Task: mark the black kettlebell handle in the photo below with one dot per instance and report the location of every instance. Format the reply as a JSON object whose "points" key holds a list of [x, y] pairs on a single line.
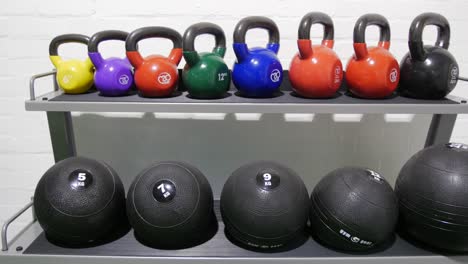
{"points": [[364, 21], [256, 22], [66, 38], [415, 42], [188, 40], [152, 32], [316, 18], [103, 36]]}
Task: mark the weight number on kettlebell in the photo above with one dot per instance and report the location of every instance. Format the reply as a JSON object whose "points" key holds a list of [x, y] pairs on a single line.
{"points": [[394, 75], [221, 76]]}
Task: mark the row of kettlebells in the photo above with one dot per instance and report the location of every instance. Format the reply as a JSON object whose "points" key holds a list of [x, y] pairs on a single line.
{"points": [[427, 72]]}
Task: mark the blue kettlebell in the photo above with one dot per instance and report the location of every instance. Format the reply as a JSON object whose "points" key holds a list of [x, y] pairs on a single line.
{"points": [[257, 71], [113, 76]]}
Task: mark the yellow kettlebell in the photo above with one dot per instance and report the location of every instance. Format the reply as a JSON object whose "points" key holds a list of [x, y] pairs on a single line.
{"points": [[74, 76]]}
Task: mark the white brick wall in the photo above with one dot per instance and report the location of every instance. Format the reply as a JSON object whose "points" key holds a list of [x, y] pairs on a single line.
{"points": [[26, 28]]}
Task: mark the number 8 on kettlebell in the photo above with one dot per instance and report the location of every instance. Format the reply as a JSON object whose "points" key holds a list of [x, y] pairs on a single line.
{"points": [[257, 71], [155, 75], [74, 76], [205, 75], [372, 72], [428, 72], [113, 76]]}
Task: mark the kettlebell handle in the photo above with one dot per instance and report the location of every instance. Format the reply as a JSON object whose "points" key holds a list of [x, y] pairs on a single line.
{"points": [[66, 38], [416, 45], [188, 40], [99, 37], [359, 35], [240, 47], [153, 32], [256, 22], [316, 18], [103, 36], [304, 42]]}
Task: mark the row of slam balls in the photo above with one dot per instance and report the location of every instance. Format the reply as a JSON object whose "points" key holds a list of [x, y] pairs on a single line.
{"points": [[264, 205], [427, 72]]}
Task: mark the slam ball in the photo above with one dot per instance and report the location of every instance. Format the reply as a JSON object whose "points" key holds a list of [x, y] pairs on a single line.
{"points": [[353, 209], [170, 205], [264, 206], [79, 201], [432, 190]]}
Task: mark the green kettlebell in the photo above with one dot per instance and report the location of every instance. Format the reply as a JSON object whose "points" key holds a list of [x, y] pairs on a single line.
{"points": [[205, 75]]}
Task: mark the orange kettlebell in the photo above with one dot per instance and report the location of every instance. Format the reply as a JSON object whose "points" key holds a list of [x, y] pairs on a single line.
{"points": [[372, 72], [316, 71], [155, 75]]}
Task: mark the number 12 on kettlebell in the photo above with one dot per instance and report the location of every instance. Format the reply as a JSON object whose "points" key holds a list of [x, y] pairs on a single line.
{"points": [[205, 75], [257, 71]]}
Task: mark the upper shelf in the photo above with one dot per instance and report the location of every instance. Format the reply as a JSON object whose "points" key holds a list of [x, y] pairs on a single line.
{"points": [[284, 102]]}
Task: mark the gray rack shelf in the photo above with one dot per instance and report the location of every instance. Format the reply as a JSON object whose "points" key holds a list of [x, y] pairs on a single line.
{"points": [[58, 106], [217, 250], [284, 102]]}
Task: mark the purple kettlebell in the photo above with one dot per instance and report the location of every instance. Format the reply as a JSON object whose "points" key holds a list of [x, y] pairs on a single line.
{"points": [[113, 76]]}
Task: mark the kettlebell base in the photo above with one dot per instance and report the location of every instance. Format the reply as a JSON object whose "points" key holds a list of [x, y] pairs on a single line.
{"points": [[423, 96], [259, 95], [208, 96], [159, 94], [316, 95], [114, 94]]}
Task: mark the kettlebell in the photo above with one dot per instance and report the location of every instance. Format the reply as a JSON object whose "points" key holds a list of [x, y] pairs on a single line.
{"points": [[316, 71], [155, 75], [205, 75], [372, 72], [113, 76], [428, 72], [74, 76], [257, 71]]}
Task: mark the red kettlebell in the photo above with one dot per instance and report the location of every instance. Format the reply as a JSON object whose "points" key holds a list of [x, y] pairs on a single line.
{"points": [[155, 75], [316, 71], [372, 72]]}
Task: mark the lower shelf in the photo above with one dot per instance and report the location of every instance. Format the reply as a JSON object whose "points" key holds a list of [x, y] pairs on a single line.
{"points": [[36, 249]]}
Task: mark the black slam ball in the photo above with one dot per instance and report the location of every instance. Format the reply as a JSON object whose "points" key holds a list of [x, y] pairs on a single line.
{"points": [[170, 206], [79, 201], [265, 206], [353, 209], [432, 191]]}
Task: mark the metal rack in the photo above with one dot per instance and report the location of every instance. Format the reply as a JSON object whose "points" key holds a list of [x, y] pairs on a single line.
{"points": [[30, 246]]}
